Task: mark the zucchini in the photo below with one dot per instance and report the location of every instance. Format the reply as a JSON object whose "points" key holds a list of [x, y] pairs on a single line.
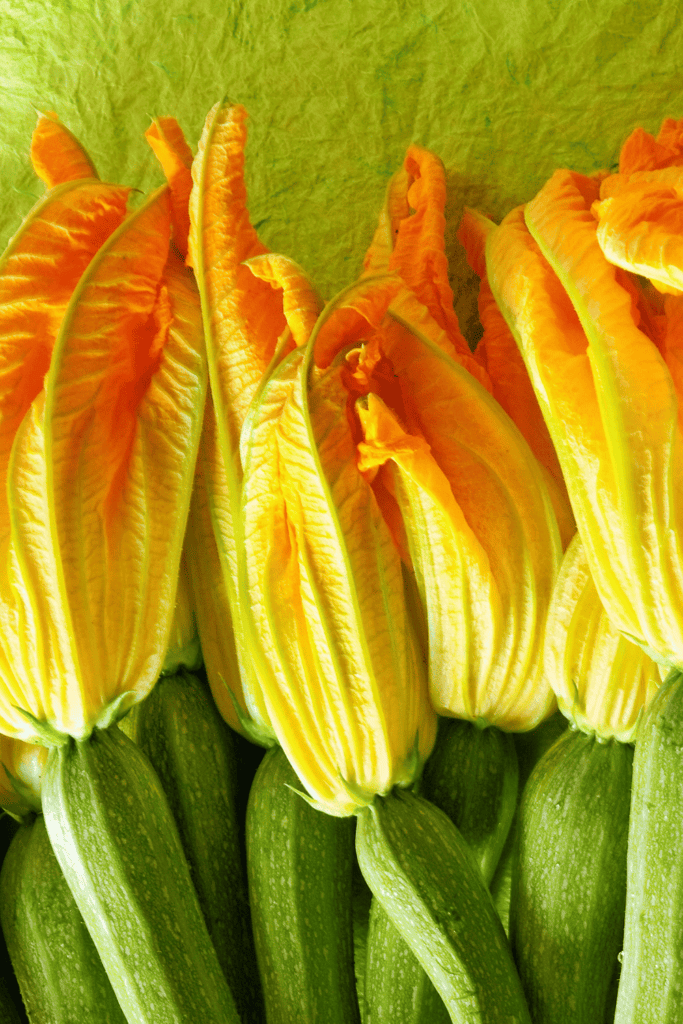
{"points": [[428, 881], [397, 989], [472, 777], [651, 983], [60, 974], [569, 887], [530, 747], [180, 730], [300, 869], [117, 844]]}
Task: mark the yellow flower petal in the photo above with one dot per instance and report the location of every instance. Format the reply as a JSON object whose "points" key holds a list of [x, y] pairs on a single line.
{"points": [[602, 681]]}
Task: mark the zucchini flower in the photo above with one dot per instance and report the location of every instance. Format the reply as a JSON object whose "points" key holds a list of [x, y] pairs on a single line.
{"points": [[602, 351], [102, 383], [341, 670], [602, 681], [256, 307], [480, 530]]}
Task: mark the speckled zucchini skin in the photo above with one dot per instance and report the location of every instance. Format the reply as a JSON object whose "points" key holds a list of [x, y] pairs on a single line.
{"points": [[117, 844], [429, 883], [300, 868], [651, 984], [397, 988], [60, 973], [569, 887], [180, 730], [472, 777]]}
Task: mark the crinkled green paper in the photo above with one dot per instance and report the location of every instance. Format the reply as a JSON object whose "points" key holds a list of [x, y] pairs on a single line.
{"points": [[503, 91]]}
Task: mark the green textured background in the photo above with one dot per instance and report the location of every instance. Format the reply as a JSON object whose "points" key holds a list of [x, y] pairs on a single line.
{"points": [[503, 92]]}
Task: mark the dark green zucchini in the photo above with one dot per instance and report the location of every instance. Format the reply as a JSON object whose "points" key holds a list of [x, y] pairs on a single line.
{"points": [[472, 777], [300, 869], [428, 881], [651, 983], [117, 844], [569, 886], [60, 973], [180, 730]]}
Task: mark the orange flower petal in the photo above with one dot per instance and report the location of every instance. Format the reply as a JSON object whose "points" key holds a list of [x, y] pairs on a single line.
{"points": [[166, 138], [353, 315], [396, 208], [510, 385], [641, 230], [124, 404], [243, 316], [301, 302], [38, 273], [57, 155]]}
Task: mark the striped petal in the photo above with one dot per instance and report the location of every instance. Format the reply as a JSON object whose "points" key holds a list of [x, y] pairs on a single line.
{"points": [[123, 404], [602, 681]]}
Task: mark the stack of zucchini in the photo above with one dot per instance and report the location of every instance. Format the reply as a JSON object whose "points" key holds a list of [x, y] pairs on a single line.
{"points": [[292, 591]]}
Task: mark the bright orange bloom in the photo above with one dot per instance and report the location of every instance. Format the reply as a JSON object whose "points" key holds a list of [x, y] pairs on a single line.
{"points": [[102, 384]]}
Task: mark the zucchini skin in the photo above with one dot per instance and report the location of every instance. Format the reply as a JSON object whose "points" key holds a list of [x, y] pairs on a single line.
{"points": [[651, 983], [472, 776], [569, 887], [300, 869], [180, 730], [117, 844], [60, 974], [397, 989], [429, 883]]}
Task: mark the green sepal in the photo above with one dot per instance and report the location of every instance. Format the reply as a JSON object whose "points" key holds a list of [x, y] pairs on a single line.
{"points": [[115, 709], [45, 734]]}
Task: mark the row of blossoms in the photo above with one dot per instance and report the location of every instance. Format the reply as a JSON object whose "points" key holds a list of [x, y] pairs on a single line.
{"points": [[375, 527]]}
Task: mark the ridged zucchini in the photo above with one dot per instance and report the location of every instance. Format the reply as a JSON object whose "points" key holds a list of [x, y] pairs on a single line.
{"points": [[117, 844], [300, 869], [60, 973], [428, 881], [180, 730], [651, 983], [569, 887]]}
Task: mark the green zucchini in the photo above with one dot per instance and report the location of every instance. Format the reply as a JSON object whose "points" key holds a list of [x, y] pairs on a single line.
{"points": [[569, 887], [397, 989], [180, 730], [300, 869], [472, 777], [117, 844], [530, 747], [651, 983], [60, 974], [428, 881]]}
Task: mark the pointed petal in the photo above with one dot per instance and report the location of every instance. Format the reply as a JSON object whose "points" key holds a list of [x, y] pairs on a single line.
{"points": [[243, 316], [57, 155], [166, 138]]}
